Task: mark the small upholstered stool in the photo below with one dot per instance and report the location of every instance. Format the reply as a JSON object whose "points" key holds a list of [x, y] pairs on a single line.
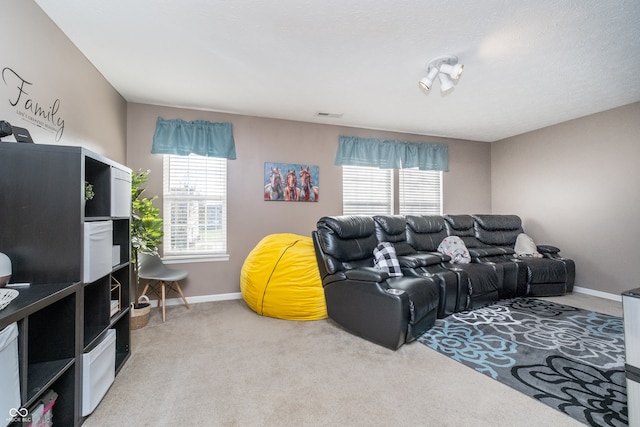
{"points": [[158, 277]]}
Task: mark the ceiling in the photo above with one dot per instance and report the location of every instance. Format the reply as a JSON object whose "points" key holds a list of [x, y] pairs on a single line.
{"points": [[528, 64]]}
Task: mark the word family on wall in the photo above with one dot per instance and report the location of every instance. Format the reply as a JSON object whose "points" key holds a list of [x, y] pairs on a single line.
{"points": [[45, 115]]}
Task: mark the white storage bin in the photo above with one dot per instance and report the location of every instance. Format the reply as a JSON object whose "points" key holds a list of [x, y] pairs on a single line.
{"points": [[98, 372], [98, 250], [9, 379], [120, 193]]}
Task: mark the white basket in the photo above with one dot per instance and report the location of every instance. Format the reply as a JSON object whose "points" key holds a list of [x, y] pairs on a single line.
{"points": [[6, 296]]}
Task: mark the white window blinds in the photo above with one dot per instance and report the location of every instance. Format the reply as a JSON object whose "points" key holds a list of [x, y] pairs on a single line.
{"points": [[195, 206], [420, 192], [367, 191]]}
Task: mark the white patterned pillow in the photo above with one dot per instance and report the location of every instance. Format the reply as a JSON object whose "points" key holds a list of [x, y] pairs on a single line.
{"points": [[385, 259], [454, 247]]}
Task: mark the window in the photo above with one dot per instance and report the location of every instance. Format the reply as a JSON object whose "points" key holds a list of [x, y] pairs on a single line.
{"points": [[367, 191], [370, 191], [195, 206], [419, 192]]}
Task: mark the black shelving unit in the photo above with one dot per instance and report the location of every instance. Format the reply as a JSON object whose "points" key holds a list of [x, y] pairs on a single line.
{"points": [[47, 350], [42, 192]]}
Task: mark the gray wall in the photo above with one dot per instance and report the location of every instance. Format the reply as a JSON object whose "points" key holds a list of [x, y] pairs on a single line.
{"points": [[466, 186], [66, 100], [577, 185]]}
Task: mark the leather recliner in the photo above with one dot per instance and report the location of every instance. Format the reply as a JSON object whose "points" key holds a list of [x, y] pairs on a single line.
{"points": [[453, 289], [364, 300], [548, 276], [478, 283], [511, 275]]}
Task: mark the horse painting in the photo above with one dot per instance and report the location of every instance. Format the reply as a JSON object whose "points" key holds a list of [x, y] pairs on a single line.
{"points": [[308, 192], [274, 189], [291, 191], [291, 182]]}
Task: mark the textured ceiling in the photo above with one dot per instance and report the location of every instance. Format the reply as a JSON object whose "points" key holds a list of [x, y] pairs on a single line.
{"points": [[528, 64]]}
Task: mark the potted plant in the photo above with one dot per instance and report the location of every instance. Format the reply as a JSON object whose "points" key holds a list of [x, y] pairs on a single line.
{"points": [[146, 224]]}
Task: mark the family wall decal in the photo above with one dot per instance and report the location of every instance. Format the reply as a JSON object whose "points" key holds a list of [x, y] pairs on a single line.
{"points": [[30, 109]]}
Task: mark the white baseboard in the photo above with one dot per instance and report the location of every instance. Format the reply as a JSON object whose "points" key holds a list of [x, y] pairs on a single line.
{"points": [[205, 298], [599, 294], [238, 295]]}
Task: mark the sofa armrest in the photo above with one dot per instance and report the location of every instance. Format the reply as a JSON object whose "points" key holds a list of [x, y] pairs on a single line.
{"points": [[370, 310], [366, 274], [551, 252], [419, 260], [444, 257], [435, 255], [409, 261], [548, 249], [330, 278]]}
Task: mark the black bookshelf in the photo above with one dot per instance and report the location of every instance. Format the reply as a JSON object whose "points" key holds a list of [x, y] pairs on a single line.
{"points": [[42, 192]]}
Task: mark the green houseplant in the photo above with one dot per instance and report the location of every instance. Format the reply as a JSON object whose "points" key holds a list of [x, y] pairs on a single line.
{"points": [[146, 224]]}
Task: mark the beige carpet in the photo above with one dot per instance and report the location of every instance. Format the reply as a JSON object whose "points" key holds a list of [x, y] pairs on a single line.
{"points": [[220, 364]]}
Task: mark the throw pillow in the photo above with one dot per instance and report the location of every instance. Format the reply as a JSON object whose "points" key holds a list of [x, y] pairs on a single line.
{"points": [[385, 259], [454, 247], [525, 247]]}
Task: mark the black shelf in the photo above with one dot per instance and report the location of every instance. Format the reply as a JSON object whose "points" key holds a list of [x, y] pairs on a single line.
{"points": [[42, 231], [121, 237], [98, 174], [33, 298], [97, 306], [42, 375], [96, 218], [122, 325]]}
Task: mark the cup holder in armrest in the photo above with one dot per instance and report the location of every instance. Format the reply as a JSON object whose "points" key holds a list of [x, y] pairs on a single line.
{"points": [[394, 291]]}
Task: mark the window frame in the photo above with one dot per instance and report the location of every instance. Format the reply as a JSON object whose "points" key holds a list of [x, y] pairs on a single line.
{"points": [[219, 178]]}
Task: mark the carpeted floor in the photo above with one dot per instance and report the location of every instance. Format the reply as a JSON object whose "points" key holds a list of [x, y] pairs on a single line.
{"points": [[569, 358], [220, 364]]}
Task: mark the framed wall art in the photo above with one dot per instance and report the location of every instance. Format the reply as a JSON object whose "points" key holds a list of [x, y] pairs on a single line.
{"points": [[291, 182]]}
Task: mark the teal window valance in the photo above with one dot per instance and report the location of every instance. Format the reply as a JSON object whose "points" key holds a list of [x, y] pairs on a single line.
{"points": [[200, 137], [392, 154]]}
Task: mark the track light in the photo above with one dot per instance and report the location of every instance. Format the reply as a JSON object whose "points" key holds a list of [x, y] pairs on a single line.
{"points": [[425, 83], [445, 82], [453, 71], [446, 68]]}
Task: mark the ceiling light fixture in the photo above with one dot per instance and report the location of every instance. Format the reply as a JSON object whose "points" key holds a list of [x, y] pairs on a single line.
{"points": [[426, 82], [445, 68], [445, 82]]}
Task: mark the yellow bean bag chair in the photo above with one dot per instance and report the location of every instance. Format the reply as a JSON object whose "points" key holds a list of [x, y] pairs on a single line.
{"points": [[280, 278]]}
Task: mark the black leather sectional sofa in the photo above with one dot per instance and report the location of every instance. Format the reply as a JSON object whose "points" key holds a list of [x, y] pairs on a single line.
{"points": [[391, 311]]}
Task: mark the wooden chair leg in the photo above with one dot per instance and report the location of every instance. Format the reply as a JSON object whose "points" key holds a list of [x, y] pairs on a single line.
{"points": [[164, 302], [179, 289], [146, 288]]}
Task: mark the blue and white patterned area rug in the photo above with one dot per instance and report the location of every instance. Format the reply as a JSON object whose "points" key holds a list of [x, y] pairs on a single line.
{"points": [[568, 358]]}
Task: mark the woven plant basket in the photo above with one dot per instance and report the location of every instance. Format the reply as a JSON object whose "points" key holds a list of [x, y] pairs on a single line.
{"points": [[140, 313]]}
